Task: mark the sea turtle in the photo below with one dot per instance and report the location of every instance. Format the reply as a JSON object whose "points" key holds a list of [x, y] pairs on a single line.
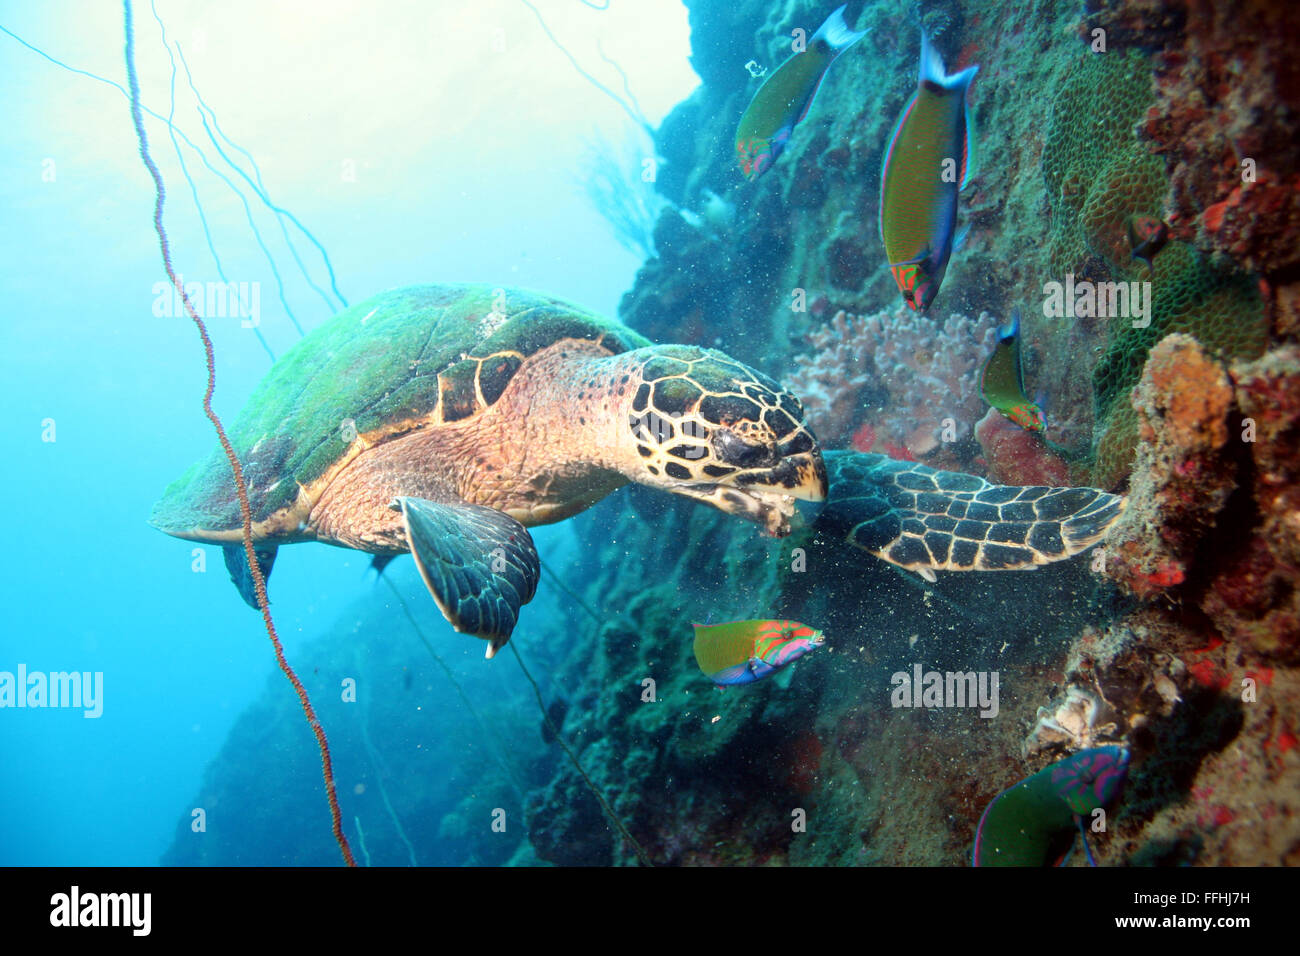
{"points": [[443, 419]]}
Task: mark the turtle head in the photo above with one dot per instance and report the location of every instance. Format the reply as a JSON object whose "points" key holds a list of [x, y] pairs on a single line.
{"points": [[702, 425]]}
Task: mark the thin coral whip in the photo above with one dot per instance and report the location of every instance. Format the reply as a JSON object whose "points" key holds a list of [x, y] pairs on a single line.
{"points": [[259, 581]]}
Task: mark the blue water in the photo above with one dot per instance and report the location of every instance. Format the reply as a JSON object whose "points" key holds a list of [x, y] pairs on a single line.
{"points": [[460, 126]]}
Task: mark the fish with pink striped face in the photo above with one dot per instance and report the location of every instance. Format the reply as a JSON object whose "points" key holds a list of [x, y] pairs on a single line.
{"points": [[741, 652]]}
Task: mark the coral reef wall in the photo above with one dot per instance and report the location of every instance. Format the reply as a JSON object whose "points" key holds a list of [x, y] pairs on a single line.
{"points": [[1178, 636], [1073, 136]]}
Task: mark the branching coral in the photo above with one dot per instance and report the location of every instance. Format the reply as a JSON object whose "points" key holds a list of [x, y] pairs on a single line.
{"points": [[889, 381]]}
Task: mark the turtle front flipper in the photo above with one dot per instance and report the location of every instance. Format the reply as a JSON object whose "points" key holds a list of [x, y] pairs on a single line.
{"points": [[479, 564], [926, 520]]}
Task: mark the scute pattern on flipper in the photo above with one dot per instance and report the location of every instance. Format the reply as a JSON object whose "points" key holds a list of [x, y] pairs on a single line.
{"points": [[918, 517], [479, 564]]}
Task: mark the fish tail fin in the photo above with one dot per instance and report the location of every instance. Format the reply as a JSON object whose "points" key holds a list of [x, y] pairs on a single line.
{"points": [[931, 62], [932, 69], [1009, 331], [835, 31]]}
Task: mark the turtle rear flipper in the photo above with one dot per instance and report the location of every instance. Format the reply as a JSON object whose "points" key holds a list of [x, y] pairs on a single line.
{"points": [[922, 519], [479, 564], [379, 562], [241, 576]]}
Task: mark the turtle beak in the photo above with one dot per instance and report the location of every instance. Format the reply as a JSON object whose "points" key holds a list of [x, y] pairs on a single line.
{"points": [[766, 496], [793, 467], [800, 476]]}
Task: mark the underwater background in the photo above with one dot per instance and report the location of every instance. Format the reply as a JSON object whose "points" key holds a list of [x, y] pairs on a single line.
{"points": [[587, 150]]}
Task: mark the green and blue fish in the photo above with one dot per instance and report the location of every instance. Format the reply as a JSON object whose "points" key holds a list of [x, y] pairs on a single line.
{"points": [[1002, 382], [1032, 823], [928, 162], [786, 96], [741, 652]]}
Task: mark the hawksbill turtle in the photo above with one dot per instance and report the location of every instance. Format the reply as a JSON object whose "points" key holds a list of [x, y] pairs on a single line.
{"points": [[445, 419]]}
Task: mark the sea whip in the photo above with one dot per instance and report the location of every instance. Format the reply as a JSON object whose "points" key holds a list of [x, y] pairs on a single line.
{"points": [[245, 511]]}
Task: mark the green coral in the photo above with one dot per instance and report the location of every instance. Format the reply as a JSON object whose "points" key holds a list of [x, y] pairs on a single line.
{"points": [[1097, 174], [1095, 169], [1219, 306], [1133, 182]]}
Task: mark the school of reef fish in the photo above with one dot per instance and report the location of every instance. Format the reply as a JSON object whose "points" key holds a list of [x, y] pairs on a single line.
{"points": [[1151, 684]]}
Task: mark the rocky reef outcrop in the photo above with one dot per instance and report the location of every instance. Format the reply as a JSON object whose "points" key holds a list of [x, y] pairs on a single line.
{"points": [[1178, 637], [1214, 507]]}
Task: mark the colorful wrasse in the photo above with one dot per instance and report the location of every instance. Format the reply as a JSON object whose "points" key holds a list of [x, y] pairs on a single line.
{"points": [[1146, 236], [785, 97], [741, 652], [927, 164], [1032, 823], [1002, 382]]}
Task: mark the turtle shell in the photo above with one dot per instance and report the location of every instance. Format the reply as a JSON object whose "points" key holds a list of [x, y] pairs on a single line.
{"points": [[416, 357]]}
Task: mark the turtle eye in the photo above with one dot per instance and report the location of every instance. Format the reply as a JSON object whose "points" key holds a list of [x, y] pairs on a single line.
{"points": [[734, 450]]}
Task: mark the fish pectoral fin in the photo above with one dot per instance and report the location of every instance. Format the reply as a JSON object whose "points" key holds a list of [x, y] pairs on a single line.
{"points": [[241, 576], [480, 565], [784, 677]]}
